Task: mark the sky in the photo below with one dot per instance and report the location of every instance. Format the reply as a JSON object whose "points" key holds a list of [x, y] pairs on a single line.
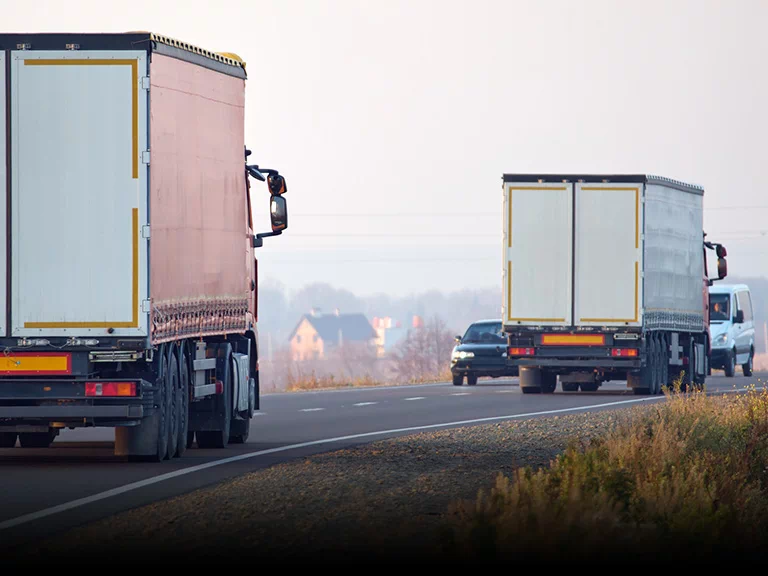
{"points": [[393, 121]]}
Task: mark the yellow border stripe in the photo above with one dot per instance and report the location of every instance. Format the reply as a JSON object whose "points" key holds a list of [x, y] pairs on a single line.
{"points": [[134, 64]]}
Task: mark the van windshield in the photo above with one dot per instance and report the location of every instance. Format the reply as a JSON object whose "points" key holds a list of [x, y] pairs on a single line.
{"points": [[719, 309]]}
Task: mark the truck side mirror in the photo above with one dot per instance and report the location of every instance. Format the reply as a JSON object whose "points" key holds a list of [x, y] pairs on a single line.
{"points": [[278, 212], [722, 268], [739, 317]]}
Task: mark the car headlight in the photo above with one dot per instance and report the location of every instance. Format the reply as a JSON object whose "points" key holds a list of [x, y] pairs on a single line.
{"points": [[720, 340], [462, 355]]}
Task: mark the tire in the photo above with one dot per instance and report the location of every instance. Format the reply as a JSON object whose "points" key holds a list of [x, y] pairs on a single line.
{"points": [[530, 380], [164, 408], [747, 368], [220, 438], [642, 382], [588, 386], [548, 382], [458, 379], [664, 361], [241, 429], [730, 365], [8, 439], [36, 439], [471, 379], [570, 386], [183, 403], [173, 403]]}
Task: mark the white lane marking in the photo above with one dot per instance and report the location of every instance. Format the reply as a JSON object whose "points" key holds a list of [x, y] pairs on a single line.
{"points": [[259, 413], [364, 403], [504, 391], [461, 394], [416, 398], [311, 409], [26, 518]]}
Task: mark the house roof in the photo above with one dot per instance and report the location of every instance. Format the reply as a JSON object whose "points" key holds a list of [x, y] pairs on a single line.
{"points": [[354, 327]]}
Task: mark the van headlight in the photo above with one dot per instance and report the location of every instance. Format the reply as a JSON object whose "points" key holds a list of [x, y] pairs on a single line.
{"points": [[720, 340]]}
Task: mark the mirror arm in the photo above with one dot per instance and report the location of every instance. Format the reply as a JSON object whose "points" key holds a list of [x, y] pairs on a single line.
{"points": [[258, 239]]}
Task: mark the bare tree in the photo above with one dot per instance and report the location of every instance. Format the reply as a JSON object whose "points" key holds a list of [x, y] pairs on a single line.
{"points": [[425, 352]]}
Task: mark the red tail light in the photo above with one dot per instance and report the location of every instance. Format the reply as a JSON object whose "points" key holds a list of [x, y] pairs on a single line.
{"points": [[624, 352], [110, 388], [522, 351]]}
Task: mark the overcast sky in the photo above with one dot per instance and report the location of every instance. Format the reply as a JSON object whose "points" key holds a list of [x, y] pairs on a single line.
{"points": [[394, 120]]}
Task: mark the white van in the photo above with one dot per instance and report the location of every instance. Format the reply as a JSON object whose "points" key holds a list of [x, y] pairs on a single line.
{"points": [[732, 328]]}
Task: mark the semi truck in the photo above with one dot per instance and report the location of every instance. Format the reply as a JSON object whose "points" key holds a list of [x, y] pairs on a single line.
{"points": [[606, 278], [130, 288]]}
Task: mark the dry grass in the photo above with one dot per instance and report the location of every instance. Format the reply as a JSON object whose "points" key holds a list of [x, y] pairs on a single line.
{"points": [[686, 480], [313, 381]]}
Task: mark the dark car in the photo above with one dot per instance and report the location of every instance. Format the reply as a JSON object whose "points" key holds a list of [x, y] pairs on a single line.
{"points": [[482, 351]]}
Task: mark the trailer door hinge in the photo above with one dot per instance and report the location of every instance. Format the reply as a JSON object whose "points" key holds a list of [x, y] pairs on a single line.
{"points": [[145, 82], [146, 306], [145, 231], [145, 157]]}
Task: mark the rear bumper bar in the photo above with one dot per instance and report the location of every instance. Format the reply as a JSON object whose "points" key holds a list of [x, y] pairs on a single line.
{"points": [[65, 400], [65, 412], [614, 363]]}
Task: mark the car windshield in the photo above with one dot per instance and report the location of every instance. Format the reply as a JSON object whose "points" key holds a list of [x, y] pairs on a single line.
{"points": [[719, 310], [491, 333]]}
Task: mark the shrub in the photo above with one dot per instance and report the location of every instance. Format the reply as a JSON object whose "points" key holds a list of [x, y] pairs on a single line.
{"points": [[685, 479]]}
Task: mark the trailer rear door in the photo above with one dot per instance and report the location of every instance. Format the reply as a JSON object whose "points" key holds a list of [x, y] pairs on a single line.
{"points": [[538, 243], [608, 254], [78, 193], [4, 150]]}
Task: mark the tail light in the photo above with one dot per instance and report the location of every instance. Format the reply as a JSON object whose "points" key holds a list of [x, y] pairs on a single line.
{"points": [[110, 389], [624, 352], [522, 351]]}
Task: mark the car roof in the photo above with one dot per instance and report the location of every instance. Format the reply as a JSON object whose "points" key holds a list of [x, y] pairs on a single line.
{"points": [[487, 321]]}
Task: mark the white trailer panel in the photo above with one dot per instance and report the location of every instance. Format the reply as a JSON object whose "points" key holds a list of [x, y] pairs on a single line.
{"points": [[79, 193], [3, 202], [674, 258], [608, 255], [538, 254]]}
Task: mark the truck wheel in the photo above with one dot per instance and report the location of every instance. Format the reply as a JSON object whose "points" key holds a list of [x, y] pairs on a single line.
{"points": [[588, 386], [730, 364], [530, 380], [458, 379], [471, 379], [659, 368], [183, 403], [548, 382], [37, 439], [8, 439], [642, 382], [173, 403], [220, 438], [747, 368], [570, 386]]}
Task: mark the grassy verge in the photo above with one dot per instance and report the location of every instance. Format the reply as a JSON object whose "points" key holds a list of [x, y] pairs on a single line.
{"points": [[686, 480]]}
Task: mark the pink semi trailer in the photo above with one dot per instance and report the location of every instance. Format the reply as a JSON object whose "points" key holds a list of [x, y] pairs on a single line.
{"points": [[130, 288]]}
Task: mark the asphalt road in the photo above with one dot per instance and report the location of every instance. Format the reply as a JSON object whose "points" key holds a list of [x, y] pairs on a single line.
{"points": [[79, 480]]}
